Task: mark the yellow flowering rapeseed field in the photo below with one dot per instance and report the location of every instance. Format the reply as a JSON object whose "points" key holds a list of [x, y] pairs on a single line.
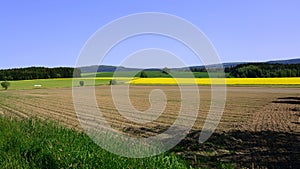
{"points": [[209, 81]]}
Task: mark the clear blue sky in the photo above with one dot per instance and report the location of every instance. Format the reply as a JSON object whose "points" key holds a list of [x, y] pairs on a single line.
{"points": [[52, 33]]}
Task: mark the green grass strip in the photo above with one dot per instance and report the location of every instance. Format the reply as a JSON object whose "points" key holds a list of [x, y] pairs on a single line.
{"points": [[31, 143]]}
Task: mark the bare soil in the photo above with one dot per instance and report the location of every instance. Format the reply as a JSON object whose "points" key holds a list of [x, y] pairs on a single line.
{"points": [[259, 127]]}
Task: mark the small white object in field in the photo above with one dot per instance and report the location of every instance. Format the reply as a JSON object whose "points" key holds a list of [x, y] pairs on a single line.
{"points": [[37, 85]]}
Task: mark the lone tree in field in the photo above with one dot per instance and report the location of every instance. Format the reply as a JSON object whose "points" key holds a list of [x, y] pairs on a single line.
{"points": [[81, 83], [5, 85], [143, 74], [112, 82]]}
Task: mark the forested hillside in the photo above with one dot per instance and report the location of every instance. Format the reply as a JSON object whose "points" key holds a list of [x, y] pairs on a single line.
{"points": [[252, 70], [38, 73]]}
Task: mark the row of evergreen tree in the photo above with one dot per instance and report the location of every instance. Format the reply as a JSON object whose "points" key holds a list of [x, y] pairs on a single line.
{"points": [[38, 73], [253, 70]]}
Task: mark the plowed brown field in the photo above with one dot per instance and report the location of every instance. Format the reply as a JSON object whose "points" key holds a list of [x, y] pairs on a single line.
{"points": [[259, 126]]}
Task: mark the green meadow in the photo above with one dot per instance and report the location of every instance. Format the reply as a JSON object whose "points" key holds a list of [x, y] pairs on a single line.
{"points": [[51, 83], [151, 74], [30, 143], [86, 77]]}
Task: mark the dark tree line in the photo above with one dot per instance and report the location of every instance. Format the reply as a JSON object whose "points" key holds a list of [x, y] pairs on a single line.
{"points": [[198, 69], [38, 73], [252, 70]]}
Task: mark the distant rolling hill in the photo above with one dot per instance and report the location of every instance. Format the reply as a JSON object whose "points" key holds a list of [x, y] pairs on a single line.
{"points": [[104, 68], [289, 61], [109, 68]]}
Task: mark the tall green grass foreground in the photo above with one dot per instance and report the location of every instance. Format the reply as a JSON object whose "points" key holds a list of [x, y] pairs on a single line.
{"points": [[32, 143]]}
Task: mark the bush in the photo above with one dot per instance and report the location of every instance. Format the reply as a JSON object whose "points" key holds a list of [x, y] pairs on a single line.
{"points": [[112, 82], [143, 74], [5, 85], [81, 83]]}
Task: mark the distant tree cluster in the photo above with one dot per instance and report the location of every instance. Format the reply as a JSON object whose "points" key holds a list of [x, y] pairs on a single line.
{"points": [[39, 73], [198, 69], [253, 70], [206, 69], [166, 70]]}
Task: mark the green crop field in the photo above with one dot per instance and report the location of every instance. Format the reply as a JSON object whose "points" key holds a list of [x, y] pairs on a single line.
{"points": [[51, 83], [86, 77], [91, 80], [178, 74]]}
